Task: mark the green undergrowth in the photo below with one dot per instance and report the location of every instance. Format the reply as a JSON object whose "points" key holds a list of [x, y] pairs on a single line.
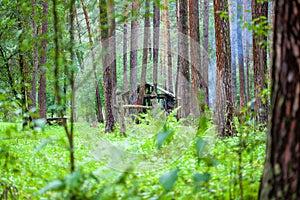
{"points": [[161, 158]]}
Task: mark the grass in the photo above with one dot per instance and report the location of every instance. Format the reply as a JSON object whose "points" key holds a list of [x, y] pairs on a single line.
{"points": [[111, 166]]}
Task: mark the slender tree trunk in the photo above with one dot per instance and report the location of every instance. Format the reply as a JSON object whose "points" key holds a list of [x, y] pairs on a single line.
{"points": [[260, 60], [246, 36], [112, 46], [281, 177], [168, 45], [72, 83], [42, 67], [35, 58], [239, 6], [79, 54], [107, 77], [98, 99], [205, 52], [24, 72], [195, 54], [156, 29], [125, 74], [233, 42], [224, 107], [145, 53], [134, 54], [183, 63]]}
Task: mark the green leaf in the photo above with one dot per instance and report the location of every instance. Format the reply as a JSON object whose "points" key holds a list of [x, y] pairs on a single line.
{"points": [[200, 146], [168, 180], [163, 136], [73, 180], [54, 185], [201, 178], [203, 125]]}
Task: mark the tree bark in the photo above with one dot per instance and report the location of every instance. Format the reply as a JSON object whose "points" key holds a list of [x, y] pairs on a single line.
{"points": [[168, 45], [125, 74], [145, 53], [239, 7], [42, 67], [112, 46], [233, 41], [134, 53], [281, 177], [35, 58], [194, 53], [96, 83], [183, 63], [107, 78], [79, 54], [224, 107], [246, 37], [259, 60], [205, 52], [156, 29]]}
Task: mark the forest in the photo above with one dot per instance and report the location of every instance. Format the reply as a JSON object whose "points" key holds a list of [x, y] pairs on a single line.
{"points": [[149, 99]]}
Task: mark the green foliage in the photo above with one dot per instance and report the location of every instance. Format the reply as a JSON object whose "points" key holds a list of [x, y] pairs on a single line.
{"points": [[209, 169], [168, 179]]}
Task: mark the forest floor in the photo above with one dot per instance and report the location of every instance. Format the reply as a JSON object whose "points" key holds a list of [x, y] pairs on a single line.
{"points": [[143, 165]]}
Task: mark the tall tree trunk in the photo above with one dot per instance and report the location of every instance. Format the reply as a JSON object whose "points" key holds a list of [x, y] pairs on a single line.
{"points": [[125, 74], [24, 72], [107, 77], [134, 53], [112, 46], [205, 52], [246, 35], [239, 7], [233, 41], [79, 54], [224, 107], [194, 53], [259, 60], [168, 45], [145, 53], [42, 67], [156, 29], [183, 63], [281, 177], [35, 58], [72, 83], [98, 99]]}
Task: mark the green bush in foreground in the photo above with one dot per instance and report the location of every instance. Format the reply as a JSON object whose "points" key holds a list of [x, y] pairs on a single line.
{"points": [[159, 159]]}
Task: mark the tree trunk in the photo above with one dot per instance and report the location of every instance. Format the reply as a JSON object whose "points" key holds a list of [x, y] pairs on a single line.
{"points": [[233, 41], [246, 37], [205, 52], [224, 107], [145, 54], [112, 46], [42, 67], [134, 53], [183, 63], [259, 60], [107, 78], [72, 84], [239, 6], [195, 54], [98, 99], [281, 177], [35, 58], [168, 45], [79, 53], [156, 28], [125, 76]]}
